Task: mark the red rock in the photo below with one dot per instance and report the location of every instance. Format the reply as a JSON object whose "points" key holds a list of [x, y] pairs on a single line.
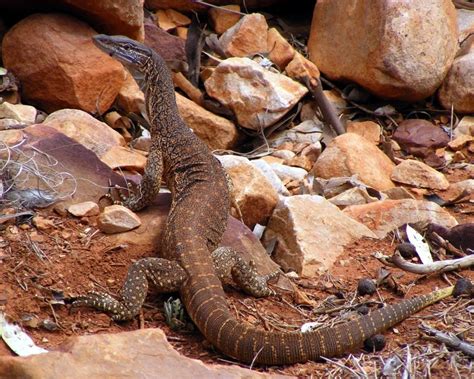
{"points": [[420, 137], [168, 46], [58, 65]]}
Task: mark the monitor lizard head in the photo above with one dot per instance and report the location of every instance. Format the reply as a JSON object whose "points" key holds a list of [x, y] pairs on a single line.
{"points": [[135, 56], [127, 51]]}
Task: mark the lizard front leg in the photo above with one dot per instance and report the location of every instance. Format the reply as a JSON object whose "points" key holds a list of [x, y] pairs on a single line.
{"points": [[149, 187]]}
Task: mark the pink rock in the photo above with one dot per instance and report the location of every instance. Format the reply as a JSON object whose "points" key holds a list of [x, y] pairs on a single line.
{"points": [[457, 89]]}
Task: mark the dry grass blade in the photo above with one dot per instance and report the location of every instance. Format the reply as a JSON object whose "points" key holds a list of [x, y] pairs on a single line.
{"points": [[32, 178]]}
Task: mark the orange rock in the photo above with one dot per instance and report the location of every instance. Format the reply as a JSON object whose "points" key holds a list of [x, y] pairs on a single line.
{"points": [[300, 67], [370, 130], [217, 132], [458, 87], [280, 50], [124, 158], [130, 98], [350, 154], [170, 19], [258, 97], [247, 37], [85, 129], [182, 32], [221, 20], [123, 17], [58, 66]]}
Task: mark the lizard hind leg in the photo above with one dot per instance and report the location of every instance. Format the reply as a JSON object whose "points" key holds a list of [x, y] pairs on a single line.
{"points": [[230, 265], [165, 275]]}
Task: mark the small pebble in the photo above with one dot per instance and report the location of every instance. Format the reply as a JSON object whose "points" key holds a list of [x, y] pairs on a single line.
{"points": [[374, 343], [366, 287], [363, 309], [407, 250], [463, 287]]}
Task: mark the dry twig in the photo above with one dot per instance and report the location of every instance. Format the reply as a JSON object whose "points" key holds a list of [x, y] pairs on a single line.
{"points": [[440, 266], [448, 339]]}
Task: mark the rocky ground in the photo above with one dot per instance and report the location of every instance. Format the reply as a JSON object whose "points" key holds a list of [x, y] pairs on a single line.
{"points": [[337, 134]]}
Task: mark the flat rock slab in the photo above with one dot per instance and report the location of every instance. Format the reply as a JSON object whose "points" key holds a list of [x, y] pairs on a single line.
{"points": [[384, 216], [237, 235], [85, 175], [140, 354]]}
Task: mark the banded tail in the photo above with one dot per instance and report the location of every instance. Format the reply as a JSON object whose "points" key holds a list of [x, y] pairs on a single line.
{"points": [[249, 344]]}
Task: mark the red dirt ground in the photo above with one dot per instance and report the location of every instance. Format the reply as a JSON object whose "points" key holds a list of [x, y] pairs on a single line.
{"points": [[71, 262]]}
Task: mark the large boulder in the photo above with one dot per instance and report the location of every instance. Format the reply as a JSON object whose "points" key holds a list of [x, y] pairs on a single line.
{"points": [[138, 354], [457, 89], [58, 65], [397, 49]]}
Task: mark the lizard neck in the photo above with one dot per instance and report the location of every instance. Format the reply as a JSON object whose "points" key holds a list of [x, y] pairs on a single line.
{"points": [[161, 106]]}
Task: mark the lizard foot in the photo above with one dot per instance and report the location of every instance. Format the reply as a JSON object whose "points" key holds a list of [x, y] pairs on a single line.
{"points": [[246, 276], [106, 303], [229, 263]]}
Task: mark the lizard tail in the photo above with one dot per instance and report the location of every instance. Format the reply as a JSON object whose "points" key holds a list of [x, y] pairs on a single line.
{"points": [[208, 309]]}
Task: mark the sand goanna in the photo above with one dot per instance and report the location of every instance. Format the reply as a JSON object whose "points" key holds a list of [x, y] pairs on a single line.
{"points": [[194, 228]]}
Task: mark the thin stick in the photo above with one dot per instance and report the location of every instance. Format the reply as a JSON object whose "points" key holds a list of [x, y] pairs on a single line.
{"points": [[217, 6], [327, 109]]}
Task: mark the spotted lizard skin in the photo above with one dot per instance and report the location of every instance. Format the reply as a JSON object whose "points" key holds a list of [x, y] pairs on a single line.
{"points": [[194, 228]]}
